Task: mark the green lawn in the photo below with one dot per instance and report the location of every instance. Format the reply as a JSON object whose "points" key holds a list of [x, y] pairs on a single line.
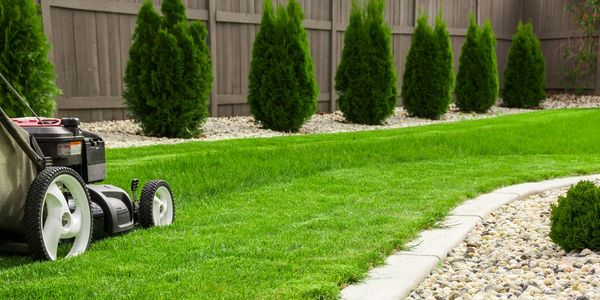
{"points": [[300, 217]]}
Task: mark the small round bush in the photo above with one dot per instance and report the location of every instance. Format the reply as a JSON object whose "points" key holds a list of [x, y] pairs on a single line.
{"points": [[575, 220]]}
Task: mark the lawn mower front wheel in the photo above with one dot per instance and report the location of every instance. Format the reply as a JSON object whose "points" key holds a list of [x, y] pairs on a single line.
{"points": [[57, 212], [157, 206]]}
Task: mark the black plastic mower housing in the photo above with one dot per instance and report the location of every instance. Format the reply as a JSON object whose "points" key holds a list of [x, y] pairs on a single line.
{"points": [[117, 208], [94, 166]]}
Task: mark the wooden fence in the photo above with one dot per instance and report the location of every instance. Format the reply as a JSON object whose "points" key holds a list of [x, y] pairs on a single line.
{"points": [[556, 28], [91, 40]]}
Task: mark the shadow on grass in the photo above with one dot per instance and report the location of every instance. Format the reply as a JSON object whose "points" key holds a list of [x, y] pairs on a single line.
{"points": [[9, 261], [13, 251], [13, 255]]}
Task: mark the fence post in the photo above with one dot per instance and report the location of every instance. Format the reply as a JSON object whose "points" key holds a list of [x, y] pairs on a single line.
{"points": [[478, 11], [597, 90], [415, 13], [212, 26], [334, 53], [47, 24]]}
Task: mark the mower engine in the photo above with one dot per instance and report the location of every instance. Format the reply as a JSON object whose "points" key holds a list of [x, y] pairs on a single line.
{"points": [[69, 146]]}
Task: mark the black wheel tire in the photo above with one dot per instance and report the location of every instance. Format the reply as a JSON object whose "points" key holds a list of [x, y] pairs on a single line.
{"points": [[147, 202], [34, 208]]}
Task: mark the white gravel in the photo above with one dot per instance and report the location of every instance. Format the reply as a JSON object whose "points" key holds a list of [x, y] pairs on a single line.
{"points": [[509, 255], [121, 134]]}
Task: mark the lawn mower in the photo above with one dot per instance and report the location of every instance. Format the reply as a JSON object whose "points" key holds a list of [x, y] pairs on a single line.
{"points": [[49, 204]]}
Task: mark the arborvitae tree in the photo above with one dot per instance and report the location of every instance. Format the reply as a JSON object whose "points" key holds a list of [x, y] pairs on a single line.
{"points": [[445, 62], [488, 42], [307, 95], [138, 77], [283, 88], [353, 64], [262, 58], [426, 82], [525, 74], [418, 68], [173, 12], [24, 59], [476, 88], [169, 74], [203, 80], [366, 77]]}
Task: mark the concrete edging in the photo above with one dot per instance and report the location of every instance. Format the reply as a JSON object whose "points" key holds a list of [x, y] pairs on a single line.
{"points": [[405, 270]]}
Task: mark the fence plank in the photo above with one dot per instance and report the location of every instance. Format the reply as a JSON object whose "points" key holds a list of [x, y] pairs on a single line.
{"points": [[212, 27], [103, 54], [333, 55], [47, 26], [114, 50], [65, 43], [597, 88]]}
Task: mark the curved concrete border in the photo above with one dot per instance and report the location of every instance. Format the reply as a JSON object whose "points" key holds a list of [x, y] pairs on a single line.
{"points": [[405, 270]]}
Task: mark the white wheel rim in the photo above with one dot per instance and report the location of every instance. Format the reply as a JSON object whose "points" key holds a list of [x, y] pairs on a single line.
{"points": [[162, 207], [60, 223]]}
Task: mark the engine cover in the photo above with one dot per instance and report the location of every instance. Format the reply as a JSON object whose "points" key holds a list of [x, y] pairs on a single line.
{"points": [[116, 205]]}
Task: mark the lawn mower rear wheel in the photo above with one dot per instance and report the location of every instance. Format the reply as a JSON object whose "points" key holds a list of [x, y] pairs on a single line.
{"points": [[57, 215]]}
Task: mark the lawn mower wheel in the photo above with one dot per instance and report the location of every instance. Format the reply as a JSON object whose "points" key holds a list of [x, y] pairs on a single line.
{"points": [[157, 206], [57, 214]]}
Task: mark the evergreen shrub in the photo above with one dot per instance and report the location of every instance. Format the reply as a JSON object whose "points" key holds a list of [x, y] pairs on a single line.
{"points": [[445, 62], [575, 219], [366, 78], [477, 80], [24, 60], [283, 91], [428, 76], [525, 74], [169, 74]]}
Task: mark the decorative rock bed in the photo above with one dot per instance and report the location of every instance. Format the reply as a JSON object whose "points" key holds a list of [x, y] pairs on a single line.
{"points": [[509, 255], [120, 134]]}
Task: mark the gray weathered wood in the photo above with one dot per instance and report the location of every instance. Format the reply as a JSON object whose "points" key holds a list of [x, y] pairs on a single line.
{"points": [[597, 88], [129, 8], [212, 27], [333, 57], [97, 102]]}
